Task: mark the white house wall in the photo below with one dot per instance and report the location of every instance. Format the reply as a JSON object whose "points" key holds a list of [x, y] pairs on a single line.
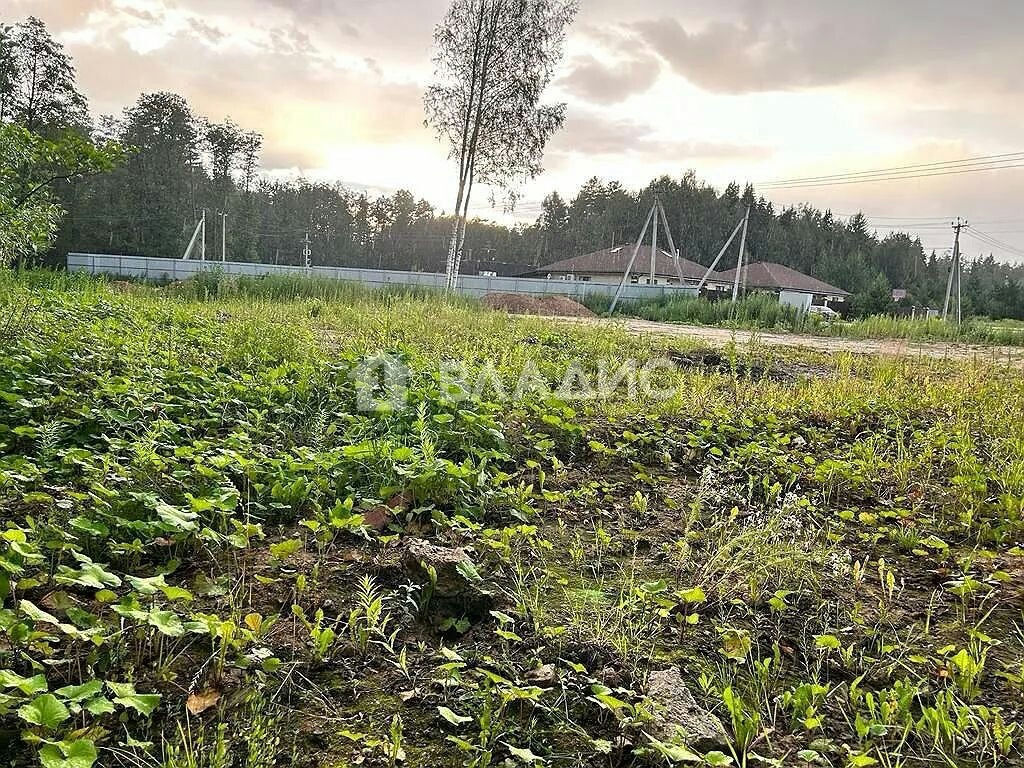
{"points": [[796, 299]]}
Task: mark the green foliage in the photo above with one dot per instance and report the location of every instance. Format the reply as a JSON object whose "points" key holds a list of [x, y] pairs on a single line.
{"points": [[30, 166], [206, 543]]}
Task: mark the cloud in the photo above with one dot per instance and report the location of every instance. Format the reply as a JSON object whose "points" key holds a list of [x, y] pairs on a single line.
{"points": [[593, 134], [610, 82], [304, 100], [742, 47]]}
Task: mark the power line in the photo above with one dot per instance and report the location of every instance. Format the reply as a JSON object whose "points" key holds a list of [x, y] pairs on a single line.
{"points": [[843, 183], [1006, 157], [996, 242]]}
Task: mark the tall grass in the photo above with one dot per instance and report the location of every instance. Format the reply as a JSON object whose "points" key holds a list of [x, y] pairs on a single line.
{"points": [[972, 331], [757, 311], [761, 311], [215, 284]]}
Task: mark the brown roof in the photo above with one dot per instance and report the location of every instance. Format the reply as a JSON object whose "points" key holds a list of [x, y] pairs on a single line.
{"points": [[616, 259], [768, 274]]}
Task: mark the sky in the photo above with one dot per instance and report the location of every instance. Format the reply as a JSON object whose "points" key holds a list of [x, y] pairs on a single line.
{"points": [[744, 90]]}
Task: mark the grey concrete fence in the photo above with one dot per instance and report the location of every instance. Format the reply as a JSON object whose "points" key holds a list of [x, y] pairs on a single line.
{"points": [[163, 270]]}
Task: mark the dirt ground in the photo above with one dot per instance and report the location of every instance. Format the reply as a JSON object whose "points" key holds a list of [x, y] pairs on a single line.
{"points": [[551, 306], [893, 347]]}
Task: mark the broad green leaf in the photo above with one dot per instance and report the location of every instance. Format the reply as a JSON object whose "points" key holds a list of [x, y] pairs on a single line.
{"points": [[46, 711], [35, 613], [468, 571], [89, 575], [27, 685], [167, 622], [91, 527], [101, 705], [149, 586], [829, 642], [695, 595], [717, 759], [177, 593], [80, 692], [125, 695], [80, 753], [175, 518], [284, 549], [453, 718], [676, 753], [525, 754]]}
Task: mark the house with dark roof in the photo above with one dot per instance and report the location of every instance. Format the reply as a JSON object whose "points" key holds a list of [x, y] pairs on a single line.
{"points": [[608, 265], [792, 287]]}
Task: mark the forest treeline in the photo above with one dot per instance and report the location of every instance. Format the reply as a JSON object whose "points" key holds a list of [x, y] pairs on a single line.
{"points": [[177, 163]]}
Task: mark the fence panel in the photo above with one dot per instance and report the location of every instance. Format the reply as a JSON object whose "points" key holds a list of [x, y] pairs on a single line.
{"points": [[159, 269]]}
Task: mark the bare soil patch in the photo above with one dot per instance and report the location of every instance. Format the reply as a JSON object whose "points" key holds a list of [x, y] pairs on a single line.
{"points": [[551, 306]]}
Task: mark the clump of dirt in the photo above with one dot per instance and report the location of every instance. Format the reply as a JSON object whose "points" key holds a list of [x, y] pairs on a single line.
{"points": [[779, 370], [551, 306]]}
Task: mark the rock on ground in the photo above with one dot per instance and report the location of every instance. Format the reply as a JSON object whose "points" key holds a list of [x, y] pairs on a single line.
{"points": [[679, 716], [450, 573]]}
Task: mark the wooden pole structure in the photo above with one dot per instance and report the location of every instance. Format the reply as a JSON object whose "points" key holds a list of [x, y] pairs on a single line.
{"points": [[632, 260], [954, 272], [718, 258], [654, 241], [739, 261], [671, 242], [960, 303], [192, 242]]}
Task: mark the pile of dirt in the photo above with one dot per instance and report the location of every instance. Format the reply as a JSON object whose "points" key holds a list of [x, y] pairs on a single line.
{"points": [[551, 306]]}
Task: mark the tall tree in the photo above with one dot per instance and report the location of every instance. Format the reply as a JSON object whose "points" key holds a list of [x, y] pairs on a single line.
{"points": [[159, 187], [493, 61], [37, 81]]}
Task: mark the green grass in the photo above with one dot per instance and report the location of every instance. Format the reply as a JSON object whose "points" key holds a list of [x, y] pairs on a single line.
{"points": [[214, 284], [763, 312], [972, 331], [206, 554], [757, 311]]}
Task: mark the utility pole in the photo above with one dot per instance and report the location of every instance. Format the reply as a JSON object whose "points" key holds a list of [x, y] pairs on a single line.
{"points": [[199, 230], [954, 272], [306, 253], [632, 260], [223, 237], [739, 261], [654, 242]]}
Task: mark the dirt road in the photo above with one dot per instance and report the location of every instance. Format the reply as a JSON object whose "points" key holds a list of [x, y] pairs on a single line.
{"points": [[895, 347]]}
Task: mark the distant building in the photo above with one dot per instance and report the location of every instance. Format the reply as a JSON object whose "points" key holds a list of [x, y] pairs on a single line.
{"points": [[607, 267], [899, 294], [792, 287]]}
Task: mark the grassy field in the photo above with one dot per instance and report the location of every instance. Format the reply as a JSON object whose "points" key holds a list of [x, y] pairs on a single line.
{"points": [[258, 525]]}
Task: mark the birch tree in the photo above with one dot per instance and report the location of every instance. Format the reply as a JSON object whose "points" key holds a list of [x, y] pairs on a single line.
{"points": [[493, 60]]}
